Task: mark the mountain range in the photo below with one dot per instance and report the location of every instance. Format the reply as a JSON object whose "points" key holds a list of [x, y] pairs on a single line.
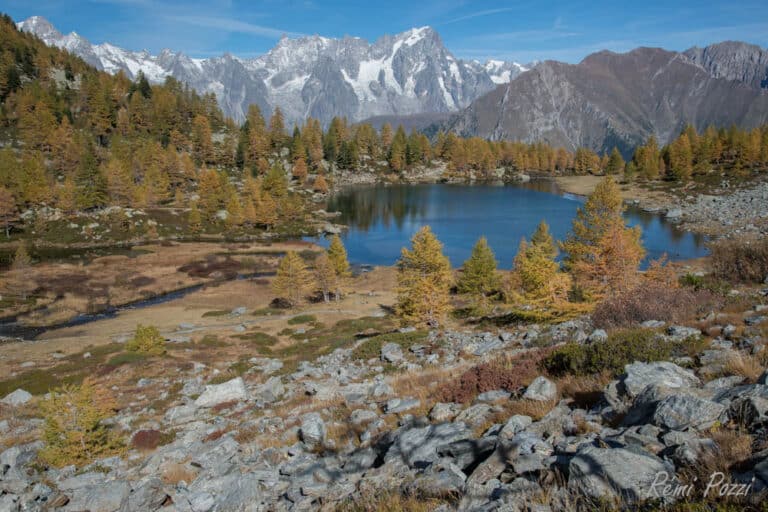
{"points": [[408, 73], [618, 100], [607, 100]]}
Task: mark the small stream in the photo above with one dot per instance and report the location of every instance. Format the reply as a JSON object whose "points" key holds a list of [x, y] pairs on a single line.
{"points": [[11, 328]]}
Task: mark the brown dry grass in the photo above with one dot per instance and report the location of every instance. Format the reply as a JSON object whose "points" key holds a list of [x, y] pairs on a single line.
{"points": [[390, 501], [584, 390], [174, 472], [745, 365]]}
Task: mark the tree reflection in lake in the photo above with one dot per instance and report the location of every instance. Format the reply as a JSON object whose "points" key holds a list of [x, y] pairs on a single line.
{"points": [[382, 219]]}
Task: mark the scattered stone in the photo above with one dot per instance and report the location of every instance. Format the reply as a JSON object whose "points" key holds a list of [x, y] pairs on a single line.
{"points": [[16, 398], [597, 336], [541, 390], [398, 405], [515, 424], [493, 396], [392, 353], [442, 412], [313, 430], [233, 390]]}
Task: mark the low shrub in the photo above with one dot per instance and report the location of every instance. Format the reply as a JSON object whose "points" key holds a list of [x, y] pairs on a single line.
{"points": [[620, 349], [150, 439], [733, 260], [75, 431], [371, 347], [511, 375], [126, 358], [653, 302], [147, 340], [302, 319], [215, 313], [263, 341], [211, 340]]}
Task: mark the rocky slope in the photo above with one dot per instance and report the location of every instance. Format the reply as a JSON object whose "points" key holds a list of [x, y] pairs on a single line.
{"points": [[240, 446], [619, 100], [733, 60], [407, 73]]}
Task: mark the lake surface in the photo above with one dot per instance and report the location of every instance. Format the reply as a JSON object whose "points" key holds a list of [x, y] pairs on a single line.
{"points": [[383, 218]]}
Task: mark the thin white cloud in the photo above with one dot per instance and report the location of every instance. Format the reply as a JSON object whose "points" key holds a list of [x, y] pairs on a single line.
{"points": [[233, 25], [478, 14]]}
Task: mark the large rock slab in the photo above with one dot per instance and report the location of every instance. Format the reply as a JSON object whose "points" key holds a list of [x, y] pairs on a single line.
{"points": [[233, 390], [639, 375], [418, 446], [611, 473], [679, 412]]}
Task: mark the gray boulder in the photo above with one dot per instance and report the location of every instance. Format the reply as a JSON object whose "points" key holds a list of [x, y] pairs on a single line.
{"points": [[613, 473], [679, 412], [101, 497], [16, 398], [233, 390], [313, 430], [515, 424], [541, 390], [639, 375], [398, 405], [418, 445], [442, 411], [272, 390], [392, 353]]}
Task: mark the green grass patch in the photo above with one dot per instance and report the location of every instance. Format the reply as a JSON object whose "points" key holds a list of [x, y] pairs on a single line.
{"points": [[214, 314], [621, 348], [323, 340], [267, 312], [71, 370], [371, 348], [211, 341], [126, 358], [261, 340], [302, 319]]}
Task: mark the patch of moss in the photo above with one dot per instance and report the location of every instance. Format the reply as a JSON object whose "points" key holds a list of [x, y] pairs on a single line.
{"points": [[302, 319], [126, 358], [216, 313], [371, 348], [267, 312], [621, 348], [212, 341]]}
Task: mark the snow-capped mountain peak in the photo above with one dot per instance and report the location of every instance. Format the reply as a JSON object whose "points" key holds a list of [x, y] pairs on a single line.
{"points": [[407, 73], [502, 72]]}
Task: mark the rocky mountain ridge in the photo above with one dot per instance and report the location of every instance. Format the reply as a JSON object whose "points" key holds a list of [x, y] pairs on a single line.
{"points": [[611, 99], [408, 73]]}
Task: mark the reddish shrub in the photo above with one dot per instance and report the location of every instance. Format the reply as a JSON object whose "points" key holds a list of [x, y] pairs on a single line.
{"points": [[652, 302], [509, 375], [224, 406], [734, 260], [213, 436], [146, 439]]}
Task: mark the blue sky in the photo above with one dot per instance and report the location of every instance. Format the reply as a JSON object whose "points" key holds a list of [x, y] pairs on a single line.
{"points": [[521, 31]]}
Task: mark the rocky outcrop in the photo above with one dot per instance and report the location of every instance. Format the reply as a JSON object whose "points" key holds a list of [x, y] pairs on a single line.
{"points": [[237, 448], [611, 99]]}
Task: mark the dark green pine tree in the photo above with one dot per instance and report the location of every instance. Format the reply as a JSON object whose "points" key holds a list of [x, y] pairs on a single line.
{"points": [[91, 182]]}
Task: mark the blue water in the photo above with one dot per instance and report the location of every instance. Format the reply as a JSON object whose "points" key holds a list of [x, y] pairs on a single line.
{"points": [[382, 219]]}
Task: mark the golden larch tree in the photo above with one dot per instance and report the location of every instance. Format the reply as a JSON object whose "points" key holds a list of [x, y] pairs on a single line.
{"points": [[424, 280]]}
